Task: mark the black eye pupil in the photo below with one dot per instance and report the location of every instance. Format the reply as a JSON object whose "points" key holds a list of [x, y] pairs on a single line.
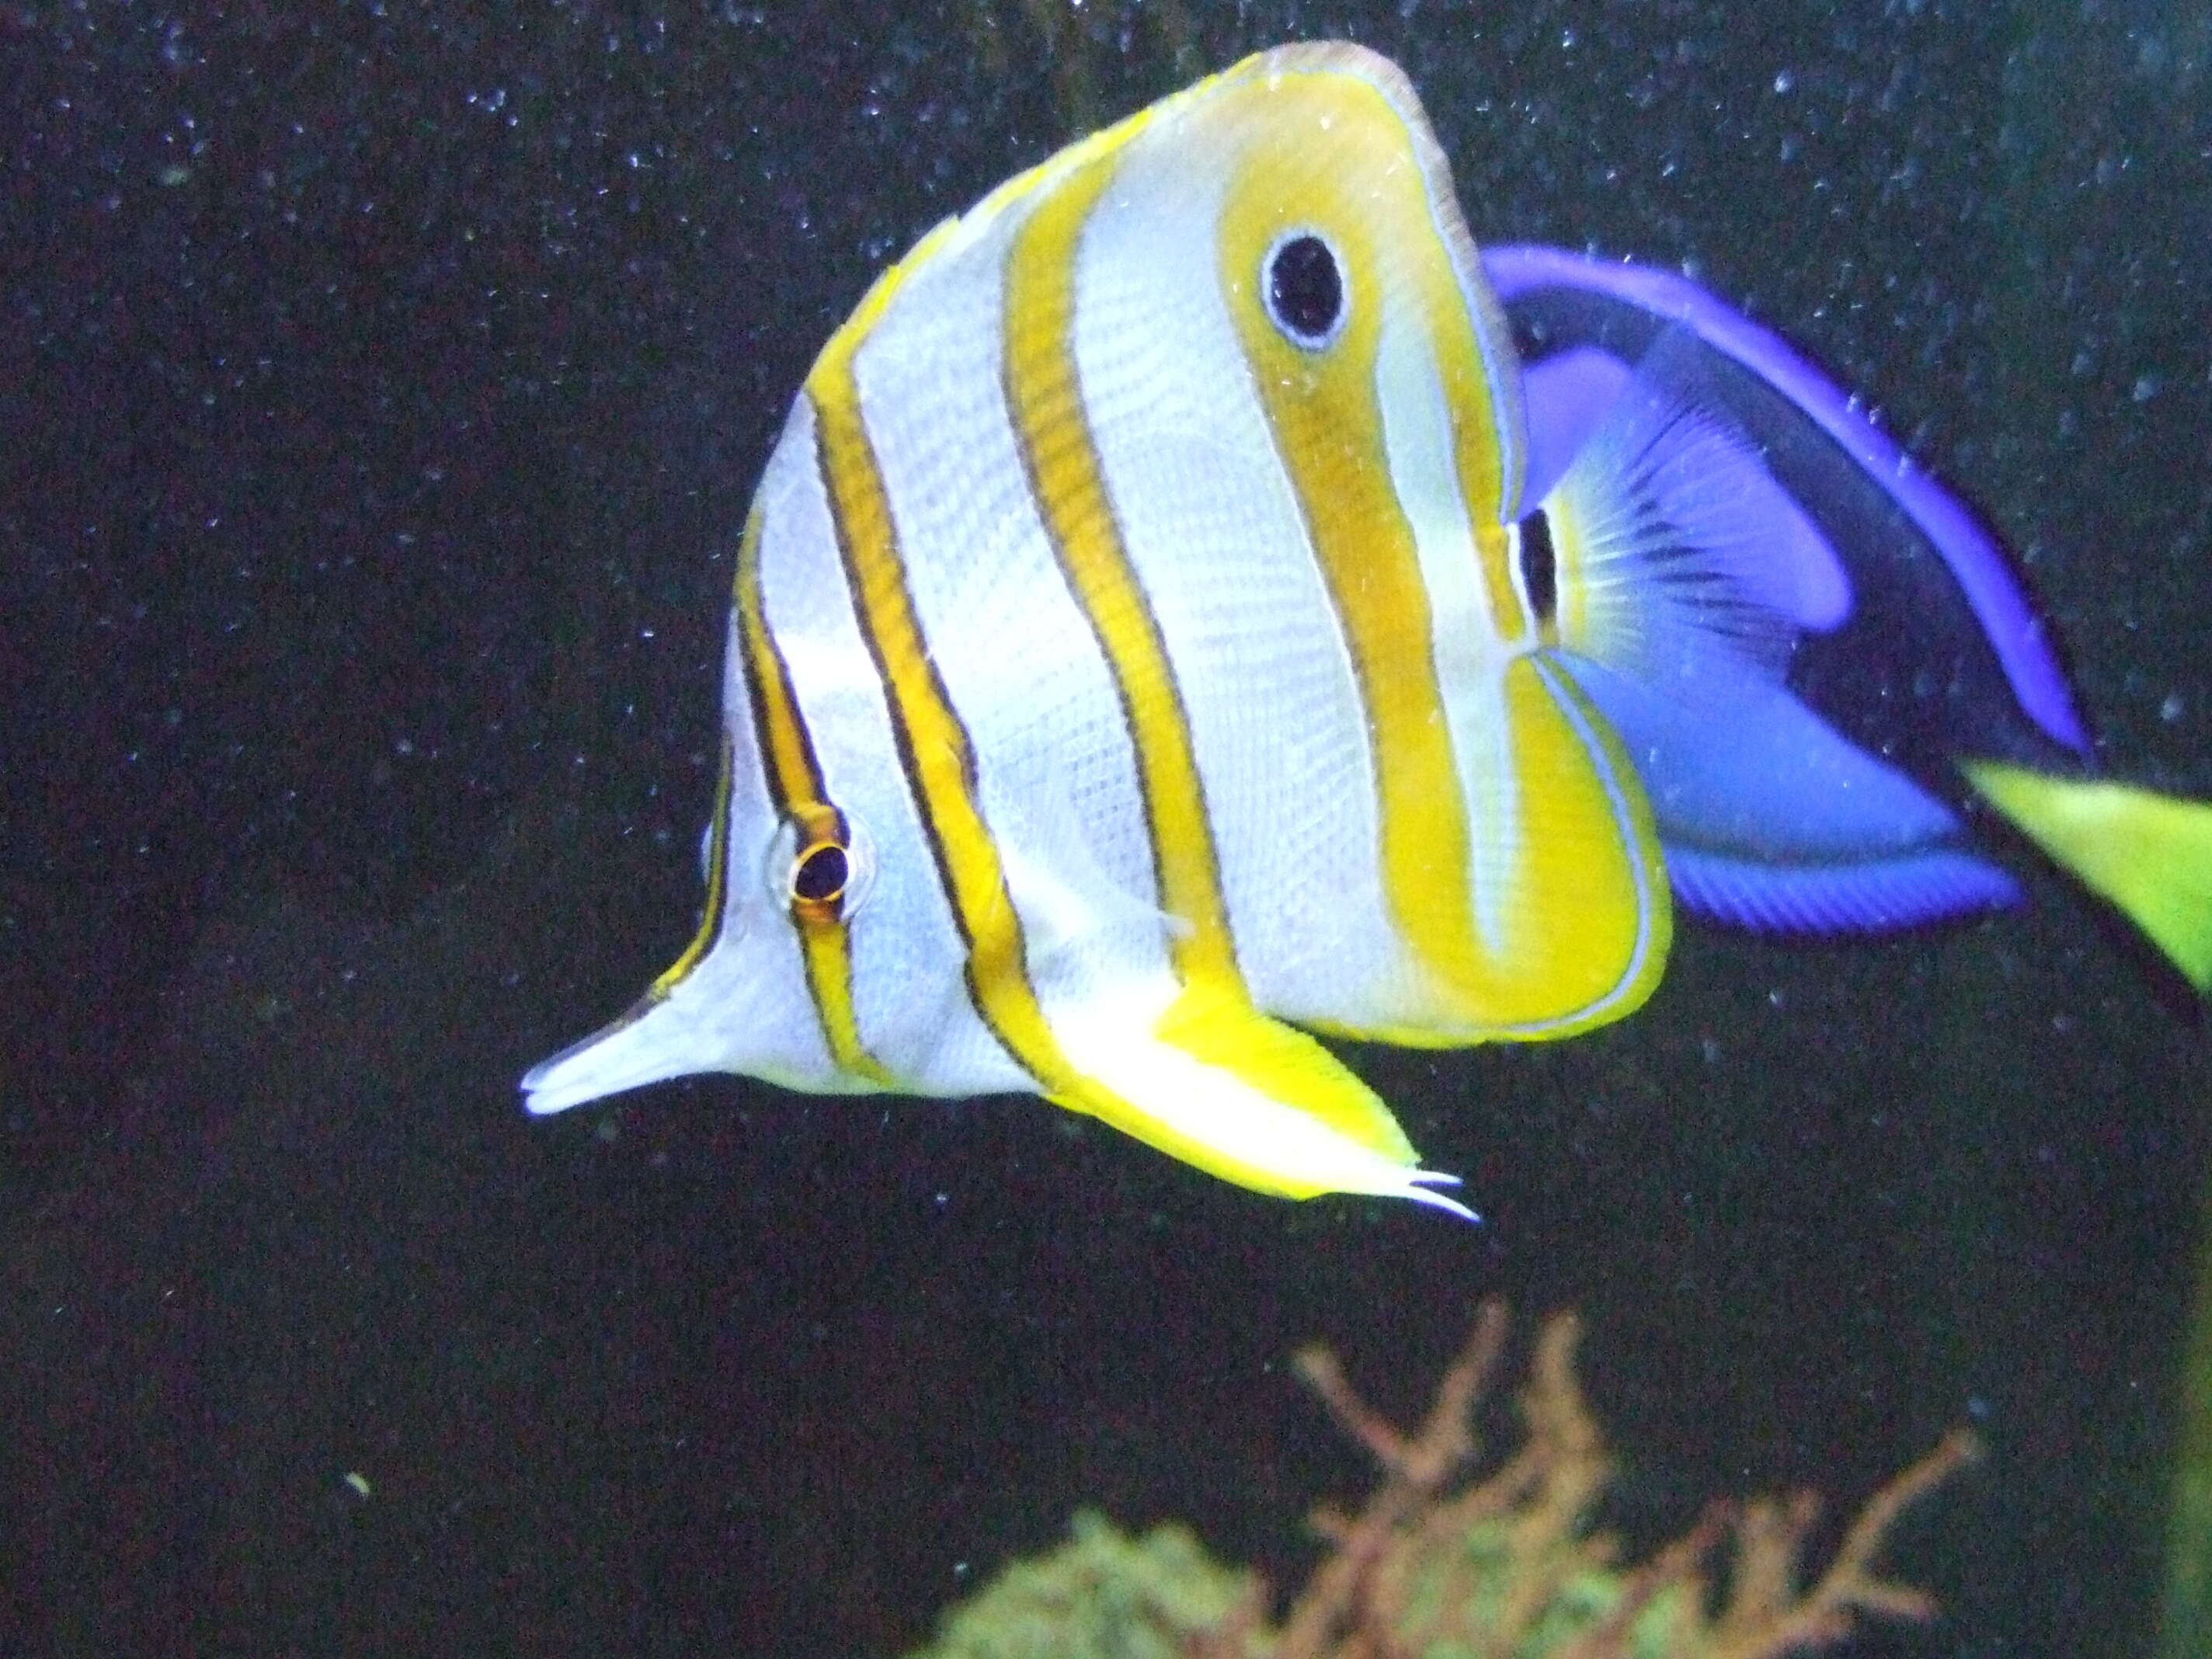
{"points": [[821, 874], [1305, 290]]}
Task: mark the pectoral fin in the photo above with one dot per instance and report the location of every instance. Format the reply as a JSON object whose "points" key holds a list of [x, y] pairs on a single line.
{"points": [[1214, 1082], [2149, 854]]}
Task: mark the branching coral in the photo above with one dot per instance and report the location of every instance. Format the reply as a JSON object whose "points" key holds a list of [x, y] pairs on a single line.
{"points": [[1439, 1567], [1509, 1565]]}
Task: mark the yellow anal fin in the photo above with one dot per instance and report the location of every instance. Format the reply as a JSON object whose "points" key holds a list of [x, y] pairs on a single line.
{"points": [[1219, 1085], [2150, 854], [1284, 1062]]}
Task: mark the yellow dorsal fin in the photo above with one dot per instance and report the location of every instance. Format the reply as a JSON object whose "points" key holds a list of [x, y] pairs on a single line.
{"points": [[1284, 1064], [2150, 854]]}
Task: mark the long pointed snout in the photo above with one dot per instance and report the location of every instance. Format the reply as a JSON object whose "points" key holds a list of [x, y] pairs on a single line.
{"points": [[646, 1045]]}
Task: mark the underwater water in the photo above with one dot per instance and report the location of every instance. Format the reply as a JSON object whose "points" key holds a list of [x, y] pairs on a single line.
{"points": [[388, 386]]}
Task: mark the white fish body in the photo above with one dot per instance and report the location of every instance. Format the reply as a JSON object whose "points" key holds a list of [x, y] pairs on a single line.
{"points": [[1131, 654]]}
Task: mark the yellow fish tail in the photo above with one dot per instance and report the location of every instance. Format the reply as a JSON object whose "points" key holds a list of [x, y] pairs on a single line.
{"points": [[2150, 854]]}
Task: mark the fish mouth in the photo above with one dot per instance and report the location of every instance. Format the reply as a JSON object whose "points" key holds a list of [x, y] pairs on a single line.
{"points": [[623, 1054]]}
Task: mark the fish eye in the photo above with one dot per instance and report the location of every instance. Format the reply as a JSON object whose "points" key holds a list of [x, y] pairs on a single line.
{"points": [[821, 865], [1302, 280], [819, 875]]}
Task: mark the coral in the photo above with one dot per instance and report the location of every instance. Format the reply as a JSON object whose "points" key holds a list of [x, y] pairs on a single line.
{"points": [[1437, 1565], [1103, 1593]]}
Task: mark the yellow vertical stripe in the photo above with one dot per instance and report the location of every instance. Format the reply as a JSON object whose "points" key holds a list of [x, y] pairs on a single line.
{"points": [[1571, 910], [794, 775], [940, 764], [1212, 1024], [710, 919], [827, 947], [796, 789], [1323, 409], [932, 745], [1061, 459]]}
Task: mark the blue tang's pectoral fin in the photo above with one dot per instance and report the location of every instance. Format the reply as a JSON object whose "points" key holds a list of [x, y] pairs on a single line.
{"points": [[2149, 854]]}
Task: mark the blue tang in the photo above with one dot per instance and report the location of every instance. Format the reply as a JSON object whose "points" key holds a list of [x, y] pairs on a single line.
{"points": [[1823, 664]]}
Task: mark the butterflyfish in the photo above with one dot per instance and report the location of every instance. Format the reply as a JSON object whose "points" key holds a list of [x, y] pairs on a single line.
{"points": [[1135, 668], [1822, 664]]}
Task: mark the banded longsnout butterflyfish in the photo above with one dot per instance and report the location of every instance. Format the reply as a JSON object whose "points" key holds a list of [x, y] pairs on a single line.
{"points": [[1135, 658]]}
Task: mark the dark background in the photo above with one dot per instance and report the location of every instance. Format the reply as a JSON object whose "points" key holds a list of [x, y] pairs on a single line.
{"points": [[383, 386]]}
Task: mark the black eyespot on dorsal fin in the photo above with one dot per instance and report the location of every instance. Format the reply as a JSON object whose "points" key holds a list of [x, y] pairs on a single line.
{"points": [[1302, 281]]}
